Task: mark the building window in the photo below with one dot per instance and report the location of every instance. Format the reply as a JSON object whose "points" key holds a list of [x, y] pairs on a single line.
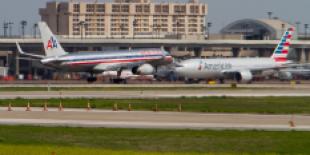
{"points": [[100, 8], [165, 9], [139, 8], [76, 7], [194, 9], [90, 8], [179, 9], [120, 8], [161, 9], [143, 8], [203, 9], [158, 9]]}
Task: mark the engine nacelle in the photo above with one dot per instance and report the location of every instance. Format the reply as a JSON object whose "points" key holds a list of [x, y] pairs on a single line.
{"points": [[285, 75], [244, 76], [145, 69]]}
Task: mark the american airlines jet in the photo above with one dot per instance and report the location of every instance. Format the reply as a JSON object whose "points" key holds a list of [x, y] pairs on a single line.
{"points": [[241, 69], [141, 62]]}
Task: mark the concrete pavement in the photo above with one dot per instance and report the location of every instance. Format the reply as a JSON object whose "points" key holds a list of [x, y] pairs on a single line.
{"points": [[158, 120], [155, 93]]}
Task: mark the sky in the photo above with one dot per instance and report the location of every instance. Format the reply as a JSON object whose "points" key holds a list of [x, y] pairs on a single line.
{"points": [[221, 12]]}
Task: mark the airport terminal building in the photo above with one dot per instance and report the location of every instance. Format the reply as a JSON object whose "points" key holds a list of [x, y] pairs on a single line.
{"points": [[126, 19]]}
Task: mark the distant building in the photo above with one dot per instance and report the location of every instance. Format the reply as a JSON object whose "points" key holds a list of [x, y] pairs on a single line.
{"points": [[256, 29], [126, 19]]}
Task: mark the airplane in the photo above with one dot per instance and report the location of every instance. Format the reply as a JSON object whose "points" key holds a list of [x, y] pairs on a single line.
{"points": [[240, 69], [139, 61]]}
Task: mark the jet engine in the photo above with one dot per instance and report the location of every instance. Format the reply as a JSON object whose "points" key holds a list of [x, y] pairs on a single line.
{"points": [[244, 76], [285, 75], [145, 69]]}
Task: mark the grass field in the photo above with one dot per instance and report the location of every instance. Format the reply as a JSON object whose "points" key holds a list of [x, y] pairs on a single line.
{"points": [[262, 105], [78, 141]]}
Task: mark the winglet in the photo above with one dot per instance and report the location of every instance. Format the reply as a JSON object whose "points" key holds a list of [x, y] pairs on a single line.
{"points": [[19, 49]]}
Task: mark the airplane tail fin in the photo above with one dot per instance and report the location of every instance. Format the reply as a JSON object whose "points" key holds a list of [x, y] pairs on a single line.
{"points": [[281, 52], [51, 44]]}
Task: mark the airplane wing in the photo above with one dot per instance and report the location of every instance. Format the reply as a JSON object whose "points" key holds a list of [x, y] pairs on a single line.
{"points": [[28, 54], [28, 59]]}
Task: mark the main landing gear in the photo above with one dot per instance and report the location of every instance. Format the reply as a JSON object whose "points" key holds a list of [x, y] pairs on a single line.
{"points": [[119, 80], [92, 78]]}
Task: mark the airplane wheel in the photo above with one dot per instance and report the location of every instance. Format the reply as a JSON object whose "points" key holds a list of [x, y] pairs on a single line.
{"points": [[91, 79], [119, 81], [222, 81]]}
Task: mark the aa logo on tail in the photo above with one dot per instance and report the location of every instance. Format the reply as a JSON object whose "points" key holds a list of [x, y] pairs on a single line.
{"points": [[52, 43]]}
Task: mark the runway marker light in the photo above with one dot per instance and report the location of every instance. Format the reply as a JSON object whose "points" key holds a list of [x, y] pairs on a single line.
{"points": [[45, 107], [115, 108], [180, 108], [88, 106], [233, 85], [292, 122], [28, 107], [10, 107], [129, 107], [60, 108], [155, 108]]}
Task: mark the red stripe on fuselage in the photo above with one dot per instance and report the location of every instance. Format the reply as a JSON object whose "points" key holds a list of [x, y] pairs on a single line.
{"points": [[280, 59]]}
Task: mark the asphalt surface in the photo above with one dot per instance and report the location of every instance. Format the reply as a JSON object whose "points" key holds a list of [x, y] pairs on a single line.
{"points": [[157, 120], [260, 85]]}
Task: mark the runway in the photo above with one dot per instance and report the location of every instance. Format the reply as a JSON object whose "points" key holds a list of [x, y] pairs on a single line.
{"points": [[154, 120], [155, 93]]}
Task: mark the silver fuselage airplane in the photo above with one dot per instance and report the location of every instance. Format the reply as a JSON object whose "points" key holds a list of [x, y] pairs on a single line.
{"points": [[241, 69], [140, 61]]}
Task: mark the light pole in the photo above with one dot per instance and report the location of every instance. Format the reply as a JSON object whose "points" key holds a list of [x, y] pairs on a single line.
{"points": [[35, 26], [178, 24], [23, 24], [134, 23], [306, 29], [270, 14], [297, 27], [81, 24], [10, 28], [5, 28], [283, 27], [246, 26], [122, 28], [209, 25]]}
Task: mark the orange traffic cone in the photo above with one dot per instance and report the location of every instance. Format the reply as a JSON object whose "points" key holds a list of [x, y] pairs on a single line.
{"points": [[180, 108], [88, 106], [10, 107], [60, 108], [45, 107], [292, 122], [155, 108], [28, 107], [115, 108]]}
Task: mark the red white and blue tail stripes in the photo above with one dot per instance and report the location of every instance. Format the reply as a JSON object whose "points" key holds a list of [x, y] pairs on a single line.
{"points": [[281, 52]]}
